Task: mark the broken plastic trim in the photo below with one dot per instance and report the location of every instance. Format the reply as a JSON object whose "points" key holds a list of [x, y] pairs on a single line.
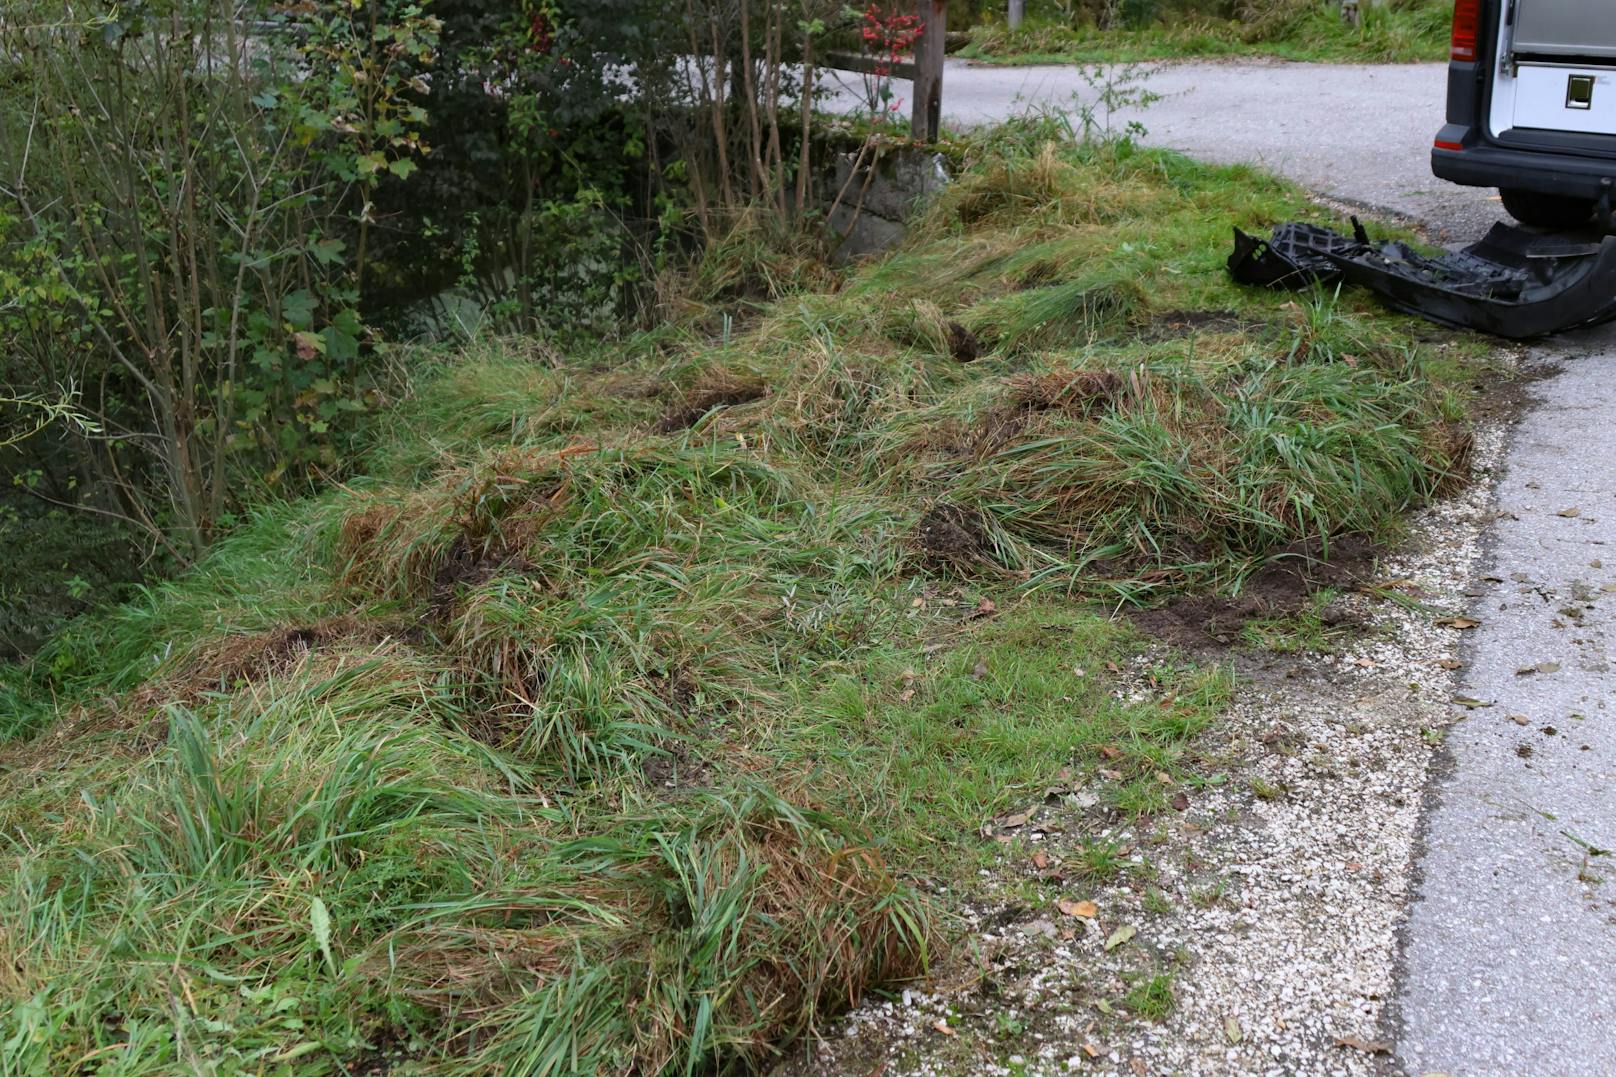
{"points": [[1514, 283]]}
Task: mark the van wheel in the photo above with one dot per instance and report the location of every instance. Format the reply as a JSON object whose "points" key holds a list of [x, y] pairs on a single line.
{"points": [[1546, 210]]}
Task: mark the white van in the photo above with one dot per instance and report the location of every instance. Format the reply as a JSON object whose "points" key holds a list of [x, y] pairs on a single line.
{"points": [[1532, 107]]}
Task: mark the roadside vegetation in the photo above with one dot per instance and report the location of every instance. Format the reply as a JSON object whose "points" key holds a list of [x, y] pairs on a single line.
{"points": [[634, 706], [1398, 31]]}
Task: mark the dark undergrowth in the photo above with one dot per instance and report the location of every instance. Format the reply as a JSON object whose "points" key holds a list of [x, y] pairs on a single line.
{"points": [[617, 722]]}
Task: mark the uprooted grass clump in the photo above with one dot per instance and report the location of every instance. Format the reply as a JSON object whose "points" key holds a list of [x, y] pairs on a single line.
{"points": [[606, 725]]}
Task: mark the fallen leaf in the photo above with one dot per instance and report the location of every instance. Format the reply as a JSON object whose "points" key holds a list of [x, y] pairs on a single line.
{"points": [[1608, 588], [985, 608], [1138, 1067], [980, 671], [1471, 704], [1164, 778], [1111, 775], [1231, 1029], [1520, 719], [1449, 663], [942, 1026], [1368, 1047], [1040, 860], [1463, 624], [1091, 1050], [1181, 801], [1541, 667], [1110, 752], [1085, 909], [906, 695], [1120, 936], [1570, 514]]}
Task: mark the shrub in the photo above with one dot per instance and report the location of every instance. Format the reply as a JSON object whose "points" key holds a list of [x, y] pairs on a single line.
{"points": [[183, 232]]}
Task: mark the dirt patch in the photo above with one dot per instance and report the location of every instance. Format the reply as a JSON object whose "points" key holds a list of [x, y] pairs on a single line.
{"points": [[962, 343], [245, 658], [952, 536], [1173, 324], [689, 409], [465, 567], [135, 725], [1083, 393], [676, 774], [1280, 588]]}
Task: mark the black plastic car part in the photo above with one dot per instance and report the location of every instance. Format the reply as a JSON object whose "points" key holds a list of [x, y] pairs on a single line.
{"points": [[1514, 283]]}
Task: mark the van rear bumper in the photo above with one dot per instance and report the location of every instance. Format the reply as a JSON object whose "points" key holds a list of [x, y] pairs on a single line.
{"points": [[1484, 164]]}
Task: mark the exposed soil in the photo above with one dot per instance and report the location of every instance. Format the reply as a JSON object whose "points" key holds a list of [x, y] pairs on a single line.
{"points": [[677, 773], [249, 657], [1281, 587], [963, 344], [464, 568], [1084, 394], [951, 535], [1173, 324], [690, 408]]}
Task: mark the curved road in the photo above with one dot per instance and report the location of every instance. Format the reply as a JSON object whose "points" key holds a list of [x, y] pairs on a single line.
{"points": [[1509, 957]]}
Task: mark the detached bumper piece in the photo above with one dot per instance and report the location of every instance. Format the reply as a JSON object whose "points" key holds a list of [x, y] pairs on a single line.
{"points": [[1514, 283]]}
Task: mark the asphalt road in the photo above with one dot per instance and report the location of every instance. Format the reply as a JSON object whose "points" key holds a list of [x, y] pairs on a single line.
{"points": [[1361, 133], [1509, 957]]}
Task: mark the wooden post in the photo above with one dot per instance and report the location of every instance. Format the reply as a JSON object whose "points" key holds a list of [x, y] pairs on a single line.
{"points": [[1018, 11], [926, 122]]}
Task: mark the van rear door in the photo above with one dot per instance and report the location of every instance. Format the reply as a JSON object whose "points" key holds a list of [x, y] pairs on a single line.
{"points": [[1576, 29], [1559, 67]]}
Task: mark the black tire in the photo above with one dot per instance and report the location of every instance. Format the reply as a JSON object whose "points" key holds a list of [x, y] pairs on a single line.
{"points": [[1546, 210]]}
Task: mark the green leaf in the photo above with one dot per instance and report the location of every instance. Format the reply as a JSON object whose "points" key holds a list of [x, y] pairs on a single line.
{"points": [[298, 308], [327, 251], [320, 924], [1120, 936], [403, 167]]}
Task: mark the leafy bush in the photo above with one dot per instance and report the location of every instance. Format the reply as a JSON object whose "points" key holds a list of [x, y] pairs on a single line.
{"points": [[183, 230]]}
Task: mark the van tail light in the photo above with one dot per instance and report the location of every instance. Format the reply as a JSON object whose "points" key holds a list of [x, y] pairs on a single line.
{"points": [[1466, 30]]}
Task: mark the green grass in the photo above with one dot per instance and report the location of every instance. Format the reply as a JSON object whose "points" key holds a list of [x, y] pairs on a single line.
{"points": [[1403, 31], [1152, 999], [610, 721]]}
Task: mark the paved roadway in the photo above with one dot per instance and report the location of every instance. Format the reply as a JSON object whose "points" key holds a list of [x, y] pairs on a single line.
{"points": [[1509, 962]]}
